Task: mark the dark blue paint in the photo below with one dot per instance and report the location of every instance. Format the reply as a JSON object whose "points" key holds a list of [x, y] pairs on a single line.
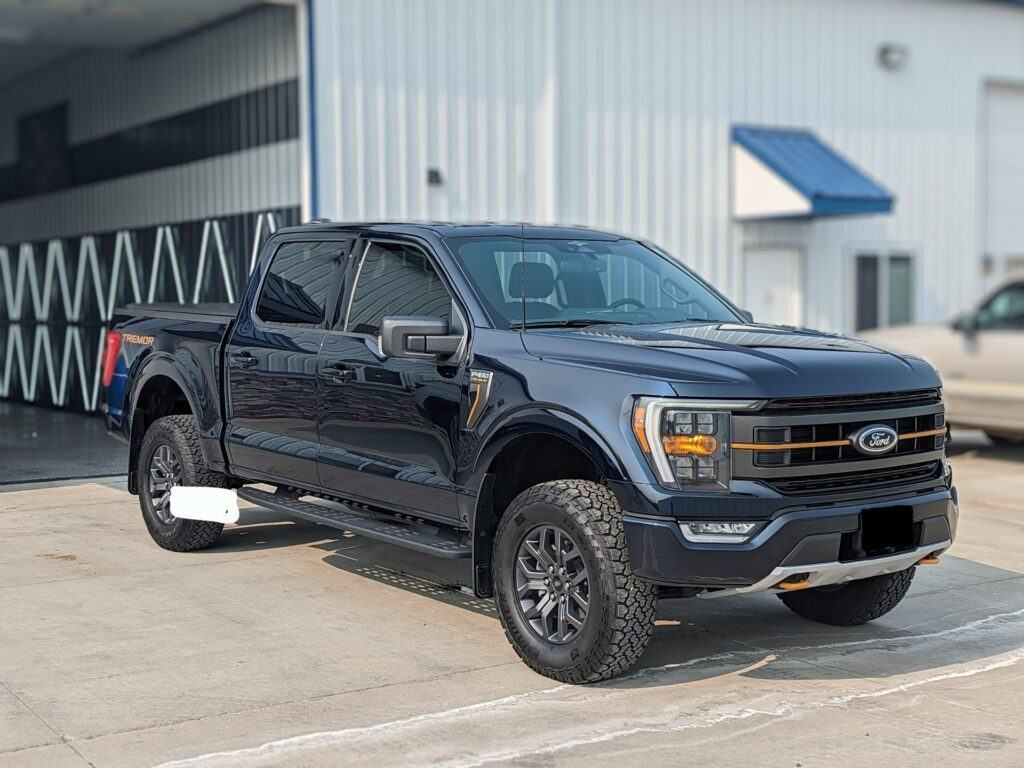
{"points": [[393, 433]]}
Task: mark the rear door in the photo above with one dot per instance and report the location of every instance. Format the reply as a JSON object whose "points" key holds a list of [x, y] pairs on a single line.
{"points": [[271, 359], [389, 427]]}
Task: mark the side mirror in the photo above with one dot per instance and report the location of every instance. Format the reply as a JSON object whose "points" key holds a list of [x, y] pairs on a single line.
{"points": [[747, 315], [967, 322], [417, 338]]}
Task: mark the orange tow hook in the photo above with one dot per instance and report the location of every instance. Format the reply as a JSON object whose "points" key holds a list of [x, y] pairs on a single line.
{"points": [[792, 586], [929, 560]]}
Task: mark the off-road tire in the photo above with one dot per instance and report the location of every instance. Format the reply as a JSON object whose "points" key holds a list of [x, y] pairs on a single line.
{"points": [[848, 605], [180, 433], [621, 615]]}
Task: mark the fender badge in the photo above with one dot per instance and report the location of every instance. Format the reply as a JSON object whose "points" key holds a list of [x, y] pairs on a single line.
{"points": [[479, 393]]}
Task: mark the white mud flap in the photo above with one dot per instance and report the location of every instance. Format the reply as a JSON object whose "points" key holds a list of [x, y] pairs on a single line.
{"points": [[215, 505]]}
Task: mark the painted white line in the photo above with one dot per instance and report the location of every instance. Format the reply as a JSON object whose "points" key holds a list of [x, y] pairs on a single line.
{"points": [[783, 709], [961, 629], [334, 738], [338, 738]]}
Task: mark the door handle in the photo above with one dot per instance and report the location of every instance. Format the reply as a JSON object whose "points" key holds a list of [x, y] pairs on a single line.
{"points": [[339, 372], [245, 359]]}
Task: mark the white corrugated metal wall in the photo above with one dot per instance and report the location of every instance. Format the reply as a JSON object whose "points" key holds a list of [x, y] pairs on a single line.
{"points": [[616, 114], [109, 91]]}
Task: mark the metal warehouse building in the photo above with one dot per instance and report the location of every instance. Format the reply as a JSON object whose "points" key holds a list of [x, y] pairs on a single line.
{"points": [[829, 163]]}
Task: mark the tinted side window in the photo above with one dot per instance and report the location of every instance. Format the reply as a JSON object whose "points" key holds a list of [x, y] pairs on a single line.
{"points": [[1005, 310], [296, 287], [396, 280]]}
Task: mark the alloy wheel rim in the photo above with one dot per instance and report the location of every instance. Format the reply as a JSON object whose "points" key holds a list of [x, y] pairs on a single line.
{"points": [[552, 584], [164, 473]]}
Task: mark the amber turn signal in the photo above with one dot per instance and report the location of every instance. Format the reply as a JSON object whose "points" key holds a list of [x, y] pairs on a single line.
{"points": [[689, 445], [639, 428]]}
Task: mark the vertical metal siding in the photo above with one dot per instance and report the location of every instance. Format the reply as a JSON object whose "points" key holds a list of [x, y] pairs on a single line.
{"points": [[403, 86], [111, 91], [616, 114]]}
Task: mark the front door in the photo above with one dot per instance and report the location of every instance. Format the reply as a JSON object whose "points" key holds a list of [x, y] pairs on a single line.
{"points": [[271, 362], [772, 285], [389, 427], [983, 369]]}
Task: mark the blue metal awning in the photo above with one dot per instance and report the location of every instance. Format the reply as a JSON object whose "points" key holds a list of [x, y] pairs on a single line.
{"points": [[785, 173]]}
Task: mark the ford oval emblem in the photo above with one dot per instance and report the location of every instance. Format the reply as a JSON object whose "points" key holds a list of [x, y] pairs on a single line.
{"points": [[875, 439]]}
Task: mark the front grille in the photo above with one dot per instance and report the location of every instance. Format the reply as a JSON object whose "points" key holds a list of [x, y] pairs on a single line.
{"points": [[839, 431], [894, 477], [868, 402]]}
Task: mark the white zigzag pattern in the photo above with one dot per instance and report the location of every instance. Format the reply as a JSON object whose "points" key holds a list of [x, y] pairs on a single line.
{"points": [[22, 277]]}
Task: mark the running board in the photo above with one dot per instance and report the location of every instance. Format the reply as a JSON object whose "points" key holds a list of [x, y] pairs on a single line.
{"points": [[438, 540]]}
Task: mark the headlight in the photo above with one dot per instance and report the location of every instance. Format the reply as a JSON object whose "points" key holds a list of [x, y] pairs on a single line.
{"points": [[686, 442]]}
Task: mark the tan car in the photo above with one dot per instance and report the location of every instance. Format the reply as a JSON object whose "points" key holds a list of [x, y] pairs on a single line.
{"points": [[980, 357]]}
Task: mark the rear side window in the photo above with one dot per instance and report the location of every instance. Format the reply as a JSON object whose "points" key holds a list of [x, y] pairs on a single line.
{"points": [[295, 291], [396, 280]]}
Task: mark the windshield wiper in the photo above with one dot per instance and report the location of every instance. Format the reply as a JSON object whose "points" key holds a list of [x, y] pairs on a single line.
{"points": [[578, 322]]}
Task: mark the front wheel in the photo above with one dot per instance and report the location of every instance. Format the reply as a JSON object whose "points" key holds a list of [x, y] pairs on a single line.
{"points": [[569, 603], [857, 602]]}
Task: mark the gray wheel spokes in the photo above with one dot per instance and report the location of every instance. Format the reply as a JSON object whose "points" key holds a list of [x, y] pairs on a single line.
{"points": [[552, 584], [165, 472]]}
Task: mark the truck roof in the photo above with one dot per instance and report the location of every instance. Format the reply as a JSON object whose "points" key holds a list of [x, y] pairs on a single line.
{"points": [[456, 229]]}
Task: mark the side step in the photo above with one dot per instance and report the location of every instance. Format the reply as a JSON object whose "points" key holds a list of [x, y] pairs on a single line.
{"points": [[439, 541]]}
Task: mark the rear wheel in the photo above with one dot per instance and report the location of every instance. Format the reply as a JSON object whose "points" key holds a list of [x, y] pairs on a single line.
{"points": [[170, 456], [847, 605], [569, 603]]}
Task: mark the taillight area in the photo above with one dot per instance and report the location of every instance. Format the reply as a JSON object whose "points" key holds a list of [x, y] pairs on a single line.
{"points": [[111, 349]]}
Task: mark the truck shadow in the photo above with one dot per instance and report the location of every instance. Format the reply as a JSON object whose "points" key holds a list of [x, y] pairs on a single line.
{"points": [[969, 614], [960, 612], [261, 529]]}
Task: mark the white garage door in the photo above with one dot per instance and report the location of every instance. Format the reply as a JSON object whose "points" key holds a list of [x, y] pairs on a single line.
{"points": [[772, 285], [1005, 177]]}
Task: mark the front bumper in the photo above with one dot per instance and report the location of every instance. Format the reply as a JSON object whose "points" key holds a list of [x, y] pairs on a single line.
{"points": [[806, 540]]}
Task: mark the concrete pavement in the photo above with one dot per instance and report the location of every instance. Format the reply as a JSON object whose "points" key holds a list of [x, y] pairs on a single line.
{"points": [[38, 443], [286, 646]]}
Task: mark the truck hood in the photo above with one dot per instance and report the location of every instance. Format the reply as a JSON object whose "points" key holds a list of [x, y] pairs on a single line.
{"points": [[735, 360]]}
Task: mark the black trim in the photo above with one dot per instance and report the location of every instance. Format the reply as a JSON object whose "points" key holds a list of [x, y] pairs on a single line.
{"points": [[870, 401], [249, 120]]}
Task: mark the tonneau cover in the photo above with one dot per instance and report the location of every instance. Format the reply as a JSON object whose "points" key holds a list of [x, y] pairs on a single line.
{"points": [[212, 311]]}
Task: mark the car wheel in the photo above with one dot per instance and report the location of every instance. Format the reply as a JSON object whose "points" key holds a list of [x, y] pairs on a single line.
{"points": [[569, 603], [170, 456], [853, 603]]}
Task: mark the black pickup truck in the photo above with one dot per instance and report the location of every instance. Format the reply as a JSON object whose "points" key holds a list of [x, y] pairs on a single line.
{"points": [[577, 413]]}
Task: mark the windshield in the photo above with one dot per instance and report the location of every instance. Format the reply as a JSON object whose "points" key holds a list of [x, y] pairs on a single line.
{"points": [[550, 283]]}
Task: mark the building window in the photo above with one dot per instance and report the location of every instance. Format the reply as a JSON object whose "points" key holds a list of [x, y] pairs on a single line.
{"points": [[885, 290]]}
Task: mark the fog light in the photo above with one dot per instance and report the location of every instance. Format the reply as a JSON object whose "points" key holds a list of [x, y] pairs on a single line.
{"points": [[708, 531]]}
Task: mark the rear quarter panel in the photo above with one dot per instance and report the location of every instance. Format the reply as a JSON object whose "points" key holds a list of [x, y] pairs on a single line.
{"points": [[186, 351]]}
